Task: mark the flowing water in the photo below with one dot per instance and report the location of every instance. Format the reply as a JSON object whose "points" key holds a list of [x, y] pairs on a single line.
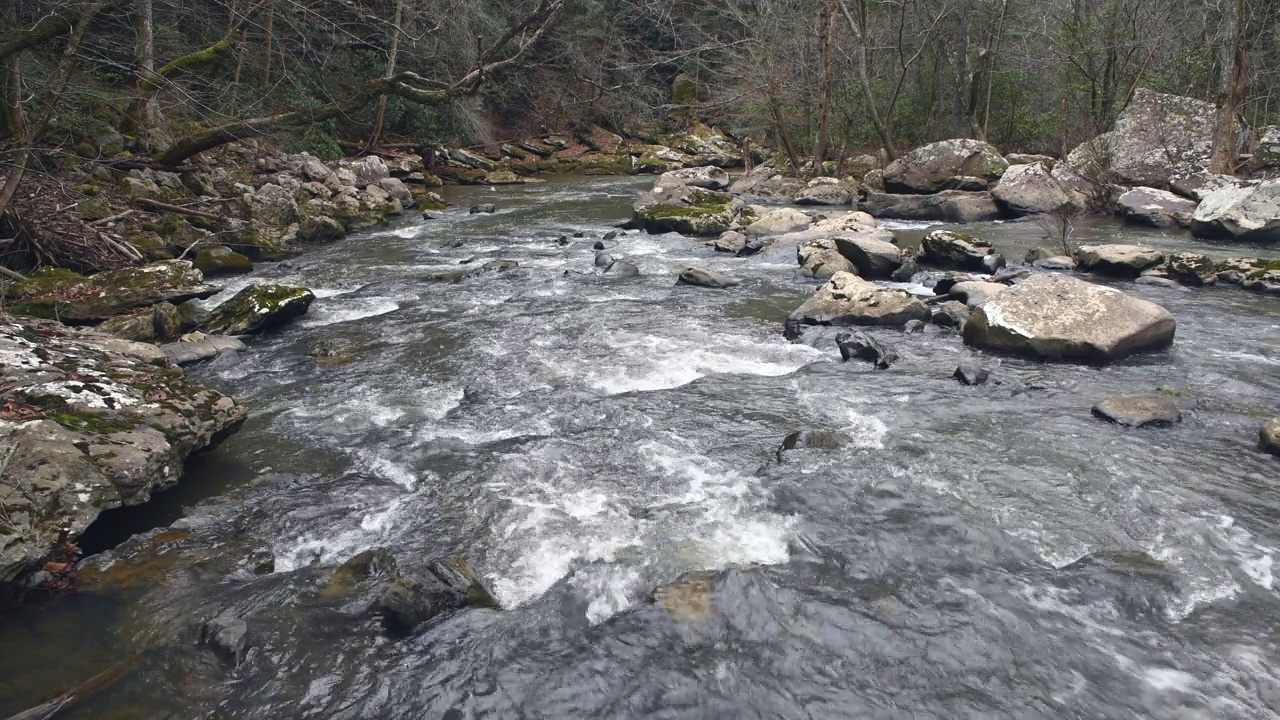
{"points": [[972, 552]]}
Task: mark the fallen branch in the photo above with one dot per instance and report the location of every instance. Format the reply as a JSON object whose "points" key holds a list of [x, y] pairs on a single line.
{"points": [[157, 206], [113, 218]]}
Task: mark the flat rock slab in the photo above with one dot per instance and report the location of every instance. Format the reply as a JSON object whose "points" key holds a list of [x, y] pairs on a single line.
{"points": [[847, 299], [206, 348], [701, 277], [1138, 410], [1117, 260]]}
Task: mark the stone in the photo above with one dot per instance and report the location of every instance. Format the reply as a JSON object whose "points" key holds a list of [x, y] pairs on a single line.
{"points": [[201, 348], [928, 169], [819, 259], [1056, 262], [313, 169], [825, 191], [621, 269], [701, 277], [95, 208], [471, 160], [974, 293], [139, 189], [502, 177], [1160, 281], [1155, 208], [690, 599], [906, 272], [686, 210], [397, 190], [221, 260], [947, 206], [779, 222], [871, 254], [483, 209], [228, 637], [847, 299], [811, 440], [1031, 190], [108, 426], [766, 184], [953, 249], [1138, 410], [969, 374], [860, 346], [369, 170], [1030, 159], [730, 241], [708, 178], [1269, 437], [1197, 184], [446, 586], [1057, 317], [1192, 269], [258, 308], [951, 314], [63, 295], [1117, 260], [1249, 213], [1154, 136], [1251, 273], [319, 228], [272, 206]]}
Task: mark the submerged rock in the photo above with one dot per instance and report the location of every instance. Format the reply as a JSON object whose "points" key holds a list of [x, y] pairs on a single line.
{"points": [[811, 440], [860, 346], [1056, 317], [228, 637], [702, 277], [102, 426], [258, 308], [847, 299], [1117, 260], [406, 603], [690, 599], [1138, 410], [1269, 437], [971, 374]]}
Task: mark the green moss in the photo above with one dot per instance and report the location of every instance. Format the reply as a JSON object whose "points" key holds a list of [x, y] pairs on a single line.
{"points": [[43, 308]]}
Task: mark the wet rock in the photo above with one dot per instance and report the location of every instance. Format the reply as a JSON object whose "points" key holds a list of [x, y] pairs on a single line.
{"points": [[1160, 281], [1117, 260], [953, 249], [1138, 410], [914, 326], [258, 308], [502, 177], [708, 178], [943, 285], [906, 271], [622, 269], [161, 322], [975, 293], [871, 253], [398, 191], [948, 206], [106, 426], [952, 314], [484, 209], [200, 347], [319, 228], [779, 222], [686, 210], [929, 168], [1056, 262], [1269, 437], [1032, 189], [1192, 269], [603, 260], [611, 235], [1249, 213], [60, 294], [701, 277], [993, 263], [690, 599], [599, 245], [825, 191], [1251, 273], [730, 241], [222, 260], [860, 346], [1057, 317], [1155, 208], [447, 586], [969, 374], [847, 299], [228, 637], [820, 259]]}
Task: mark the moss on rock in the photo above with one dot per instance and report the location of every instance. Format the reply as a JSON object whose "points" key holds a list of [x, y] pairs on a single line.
{"points": [[258, 308]]}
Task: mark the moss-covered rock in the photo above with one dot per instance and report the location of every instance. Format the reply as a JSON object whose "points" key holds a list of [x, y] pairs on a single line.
{"points": [[1192, 269], [687, 210], [71, 298], [222, 260], [257, 246], [152, 248], [257, 308], [320, 228], [94, 208]]}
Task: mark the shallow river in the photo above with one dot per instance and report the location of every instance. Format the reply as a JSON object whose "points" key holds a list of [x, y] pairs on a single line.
{"points": [[973, 552]]}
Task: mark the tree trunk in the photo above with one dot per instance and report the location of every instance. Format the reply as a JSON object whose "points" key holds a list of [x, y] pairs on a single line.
{"points": [[1231, 95], [11, 120], [392, 57], [269, 29], [55, 23], [826, 28], [145, 114]]}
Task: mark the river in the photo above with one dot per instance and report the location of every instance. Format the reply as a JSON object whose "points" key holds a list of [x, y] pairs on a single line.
{"points": [[988, 551]]}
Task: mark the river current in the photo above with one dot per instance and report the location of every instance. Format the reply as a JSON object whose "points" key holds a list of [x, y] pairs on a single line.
{"points": [[971, 552]]}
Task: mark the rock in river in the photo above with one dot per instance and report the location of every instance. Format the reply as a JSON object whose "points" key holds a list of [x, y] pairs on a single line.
{"points": [[949, 206], [1155, 208], [953, 249], [1249, 212], [687, 210], [871, 252], [1269, 437], [1117, 260], [928, 169], [101, 426], [52, 293], [257, 308], [1056, 317], [811, 440], [1138, 410], [847, 299], [702, 277], [860, 346], [971, 374]]}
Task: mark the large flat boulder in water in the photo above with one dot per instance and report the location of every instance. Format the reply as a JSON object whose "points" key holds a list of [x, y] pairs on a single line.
{"points": [[948, 206], [257, 308], [847, 299], [687, 210], [1155, 208], [1032, 189], [1056, 317], [52, 293], [1247, 212], [931, 168], [1117, 260], [93, 423]]}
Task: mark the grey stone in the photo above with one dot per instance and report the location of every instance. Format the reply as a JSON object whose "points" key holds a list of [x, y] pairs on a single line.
{"points": [[1032, 189], [953, 249], [819, 259], [948, 205], [969, 374], [1250, 213], [928, 169], [1155, 208], [228, 637], [1117, 260], [860, 346], [1269, 437], [847, 299], [870, 252], [1138, 410], [701, 277], [206, 347]]}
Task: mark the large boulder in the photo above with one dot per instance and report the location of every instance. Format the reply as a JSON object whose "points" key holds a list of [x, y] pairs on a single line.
{"points": [[1197, 184], [825, 191], [847, 299], [1269, 437], [872, 252], [1251, 274], [708, 178], [57, 294], [931, 168], [1032, 189], [779, 222], [1192, 269], [1057, 317], [953, 249], [1266, 154], [1153, 136], [257, 308], [1155, 208], [1249, 212], [947, 206], [686, 210], [272, 206], [102, 425], [221, 260], [1117, 260], [820, 259], [766, 184]]}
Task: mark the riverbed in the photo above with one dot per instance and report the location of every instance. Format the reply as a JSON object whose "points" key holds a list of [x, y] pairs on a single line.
{"points": [[989, 551]]}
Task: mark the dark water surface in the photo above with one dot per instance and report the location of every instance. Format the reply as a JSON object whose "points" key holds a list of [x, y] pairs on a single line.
{"points": [[972, 552]]}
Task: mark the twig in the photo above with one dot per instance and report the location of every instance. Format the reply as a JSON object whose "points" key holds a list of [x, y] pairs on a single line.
{"points": [[19, 277], [155, 206], [113, 218]]}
